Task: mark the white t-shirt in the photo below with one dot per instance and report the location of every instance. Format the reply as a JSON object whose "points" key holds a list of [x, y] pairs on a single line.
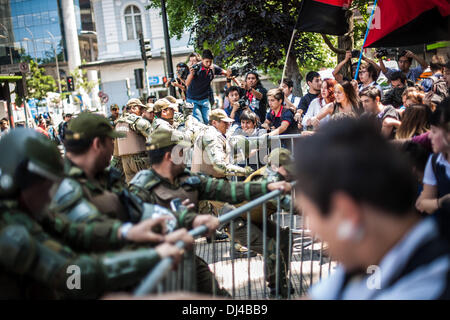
{"points": [[296, 101], [429, 177], [313, 111]]}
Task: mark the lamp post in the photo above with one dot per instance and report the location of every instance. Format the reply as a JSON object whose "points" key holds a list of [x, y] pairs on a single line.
{"points": [[34, 42], [9, 41], [56, 61]]}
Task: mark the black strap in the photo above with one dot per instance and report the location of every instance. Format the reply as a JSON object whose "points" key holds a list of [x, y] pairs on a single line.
{"points": [[434, 163], [424, 255]]}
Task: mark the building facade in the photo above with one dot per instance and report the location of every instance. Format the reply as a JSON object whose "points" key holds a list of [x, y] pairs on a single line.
{"points": [[118, 24]]}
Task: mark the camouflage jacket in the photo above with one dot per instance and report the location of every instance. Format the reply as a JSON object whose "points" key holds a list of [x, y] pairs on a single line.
{"points": [[213, 155], [161, 123], [267, 174], [74, 218], [137, 124], [153, 188], [34, 264]]}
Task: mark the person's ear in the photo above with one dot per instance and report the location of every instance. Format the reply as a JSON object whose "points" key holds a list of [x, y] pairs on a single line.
{"points": [[168, 156], [97, 143], [347, 214]]}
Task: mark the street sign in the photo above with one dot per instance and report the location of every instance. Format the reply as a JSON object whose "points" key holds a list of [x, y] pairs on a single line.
{"points": [[22, 67], [104, 98], [10, 68], [153, 81]]}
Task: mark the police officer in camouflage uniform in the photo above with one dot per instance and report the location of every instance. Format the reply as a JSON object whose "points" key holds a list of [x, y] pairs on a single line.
{"points": [[33, 264], [212, 153], [116, 161], [168, 179], [114, 108], [164, 111], [149, 112], [91, 188], [131, 148], [280, 167]]}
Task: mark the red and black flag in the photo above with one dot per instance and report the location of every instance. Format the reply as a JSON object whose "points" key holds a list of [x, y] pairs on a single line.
{"points": [[399, 23], [324, 16]]}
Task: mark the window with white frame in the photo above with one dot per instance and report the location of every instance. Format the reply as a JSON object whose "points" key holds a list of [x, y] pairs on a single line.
{"points": [[133, 22]]}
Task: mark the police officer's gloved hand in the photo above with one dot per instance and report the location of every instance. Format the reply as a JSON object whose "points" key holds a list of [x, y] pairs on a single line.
{"points": [[248, 170]]}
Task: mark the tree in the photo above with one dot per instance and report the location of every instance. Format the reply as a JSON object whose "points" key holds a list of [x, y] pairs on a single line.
{"points": [[255, 34], [38, 83]]}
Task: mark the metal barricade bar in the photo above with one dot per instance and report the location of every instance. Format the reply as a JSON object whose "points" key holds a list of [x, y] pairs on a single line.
{"points": [[163, 267]]}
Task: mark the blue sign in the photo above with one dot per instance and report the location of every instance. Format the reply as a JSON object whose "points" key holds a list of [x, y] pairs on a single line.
{"points": [[153, 81]]}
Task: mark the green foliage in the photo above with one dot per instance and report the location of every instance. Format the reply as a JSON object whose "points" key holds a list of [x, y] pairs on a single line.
{"points": [[38, 83], [254, 34], [181, 15], [81, 81]]}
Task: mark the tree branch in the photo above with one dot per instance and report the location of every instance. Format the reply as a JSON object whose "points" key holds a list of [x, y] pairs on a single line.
{"points": [[330, 45]]}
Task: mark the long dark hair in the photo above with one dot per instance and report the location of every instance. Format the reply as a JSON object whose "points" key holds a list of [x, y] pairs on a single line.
{"points": [[414, 122], [258, 82], [351, 96]]}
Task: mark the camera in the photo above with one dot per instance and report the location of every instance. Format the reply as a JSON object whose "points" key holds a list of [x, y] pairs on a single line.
{"points": [[242, 103], [384, 52], [234, 72], [355, 53], [197, 67], [183, 71]]}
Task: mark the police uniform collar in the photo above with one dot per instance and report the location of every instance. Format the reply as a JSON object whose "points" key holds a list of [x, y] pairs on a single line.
{"points": [[73, 171], [174, 185]]}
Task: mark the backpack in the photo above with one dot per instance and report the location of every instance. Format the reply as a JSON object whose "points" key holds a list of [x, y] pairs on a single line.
{"points": [[439, 90]]}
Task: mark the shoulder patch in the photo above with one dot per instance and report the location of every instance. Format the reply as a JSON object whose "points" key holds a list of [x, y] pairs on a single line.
{"points": [[68, 193], [145, 179]]}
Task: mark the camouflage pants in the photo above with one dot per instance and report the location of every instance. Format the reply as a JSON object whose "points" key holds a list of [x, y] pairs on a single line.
{"points": [[134, 163], [256, 244], [116, 162]]}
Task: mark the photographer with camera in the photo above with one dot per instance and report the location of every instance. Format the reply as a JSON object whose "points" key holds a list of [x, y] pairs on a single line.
{"points": [[237, 104], [180, 80], [404, 63], [254, 93], [199, 85]]}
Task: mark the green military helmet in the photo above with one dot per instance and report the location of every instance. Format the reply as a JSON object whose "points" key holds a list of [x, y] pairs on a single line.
{"points": [[25, 150], [282, 157]]}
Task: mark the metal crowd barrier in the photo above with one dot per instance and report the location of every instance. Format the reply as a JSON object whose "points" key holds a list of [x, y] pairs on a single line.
{"points": [[302, 271]]}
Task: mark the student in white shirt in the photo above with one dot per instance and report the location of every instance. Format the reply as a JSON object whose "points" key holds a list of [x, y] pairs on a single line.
{"points": [[291, 101], [358, 192], [326, 96]]}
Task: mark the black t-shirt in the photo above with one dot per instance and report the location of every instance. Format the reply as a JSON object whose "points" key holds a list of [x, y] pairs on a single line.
{"points": [[200, 88], [305, 101], [282, 115]]}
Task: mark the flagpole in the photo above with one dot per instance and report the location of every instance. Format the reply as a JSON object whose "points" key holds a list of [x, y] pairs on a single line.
{"points": [[287, 55], [365, 38]]}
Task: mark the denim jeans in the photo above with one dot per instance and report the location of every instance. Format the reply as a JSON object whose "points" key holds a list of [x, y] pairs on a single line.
{"points": [[201, 110]]}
